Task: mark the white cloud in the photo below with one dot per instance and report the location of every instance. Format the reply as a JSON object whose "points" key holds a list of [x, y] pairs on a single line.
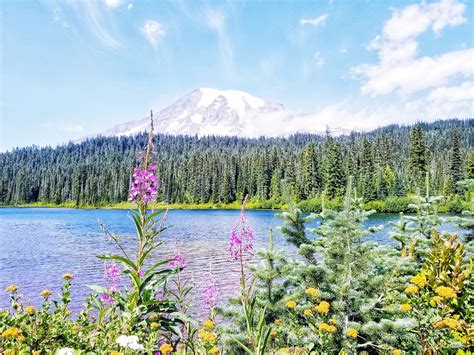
{"points": [[216, 21], [318, 59], [72, 128], [112, 3], [153, 32], [130, 6], [318, 21], [399, 68]]}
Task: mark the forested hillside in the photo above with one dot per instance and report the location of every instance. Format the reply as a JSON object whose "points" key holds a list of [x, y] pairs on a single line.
{"points": [[392, 161]]}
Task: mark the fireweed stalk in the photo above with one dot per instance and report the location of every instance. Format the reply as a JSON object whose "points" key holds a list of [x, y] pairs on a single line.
{"points": [[241, 243], [140, 300]]}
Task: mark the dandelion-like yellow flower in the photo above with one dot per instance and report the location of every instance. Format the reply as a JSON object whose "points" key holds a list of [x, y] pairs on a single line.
{"points": [[11, 332], [419, 280], [154, 325], [322, 307], [214, 350], [273, 334], [30, 309], [165, 349], [115, 352], [312, 292], [76, 328], [277, 321], [36, 353], [446, 292], [411, 290], [307, 312], [437, 299], [333, 321], [352, 332], [291, 304], [327, 328], [207, 336], [397, 352], [405, 308], [209, 324], [45, 293], [68, 276], [11, 289], [9, 352]]}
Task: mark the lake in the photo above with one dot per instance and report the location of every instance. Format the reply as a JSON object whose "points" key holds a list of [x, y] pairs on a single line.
{"points": [[39, 245]]}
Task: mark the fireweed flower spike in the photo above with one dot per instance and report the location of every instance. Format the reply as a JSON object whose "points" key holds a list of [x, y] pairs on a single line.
{"points": [[211, 292], [144, 185], [177, 260], [241, 237]]}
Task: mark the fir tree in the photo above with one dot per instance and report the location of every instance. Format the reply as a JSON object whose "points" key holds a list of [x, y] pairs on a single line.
{"points": [[456, 168], [418, 159]]}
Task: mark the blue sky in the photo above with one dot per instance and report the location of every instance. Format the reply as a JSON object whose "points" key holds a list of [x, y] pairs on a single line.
{"points": [[70, 69]]}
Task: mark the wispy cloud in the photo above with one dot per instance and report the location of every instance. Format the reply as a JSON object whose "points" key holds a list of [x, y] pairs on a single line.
{"points": [[216, 21], [96, 23], [153, 32], [318, 21], [129, 6]]}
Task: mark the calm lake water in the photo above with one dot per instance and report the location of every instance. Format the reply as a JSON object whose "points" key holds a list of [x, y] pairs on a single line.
{"points": [[37, 246]]}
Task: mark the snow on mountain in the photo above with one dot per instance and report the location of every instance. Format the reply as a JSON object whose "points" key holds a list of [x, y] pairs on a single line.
{"points": [[205, 111]]}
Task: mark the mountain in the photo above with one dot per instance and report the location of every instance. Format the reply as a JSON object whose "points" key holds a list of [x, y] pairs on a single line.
{"points": [[205, 111]]}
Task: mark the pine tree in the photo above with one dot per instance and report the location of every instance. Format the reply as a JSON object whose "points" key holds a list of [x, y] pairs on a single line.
{"points": [[418, 159], [456, 168], [335, 176]]}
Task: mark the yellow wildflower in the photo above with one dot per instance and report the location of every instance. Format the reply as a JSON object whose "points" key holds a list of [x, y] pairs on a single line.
{"points": [[166, 349], [437, 299], [419, 280], [322, 307], [333, 321], [291, 304], [277, 321], [352, 332], [76, 328], [11, 332], [154, 325], [411, 290], [207, 336], [397, 352], [30, 309], [273, 334], [312, 292], [446, 292], [307, 312], [405, 308], [11, 289], [45, 293], [209, 324], [9, 352], [68, 276], [214, 350], [327, 328], [114, 352], [36, 353], [20, 338], [451, 323]]}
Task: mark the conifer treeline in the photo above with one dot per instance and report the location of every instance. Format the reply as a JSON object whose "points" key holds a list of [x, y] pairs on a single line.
{"points": [[391, 161]]}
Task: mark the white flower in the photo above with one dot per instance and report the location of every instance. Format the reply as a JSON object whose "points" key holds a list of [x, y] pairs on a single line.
{"points": [[65, 351], [130, 342]]}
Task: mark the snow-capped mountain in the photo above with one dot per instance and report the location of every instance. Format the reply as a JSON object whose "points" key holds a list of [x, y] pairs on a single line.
{"points": [[205, 111]]}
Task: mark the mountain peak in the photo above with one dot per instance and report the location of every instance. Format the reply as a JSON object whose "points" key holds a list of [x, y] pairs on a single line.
{"points": [[204, 111]]}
